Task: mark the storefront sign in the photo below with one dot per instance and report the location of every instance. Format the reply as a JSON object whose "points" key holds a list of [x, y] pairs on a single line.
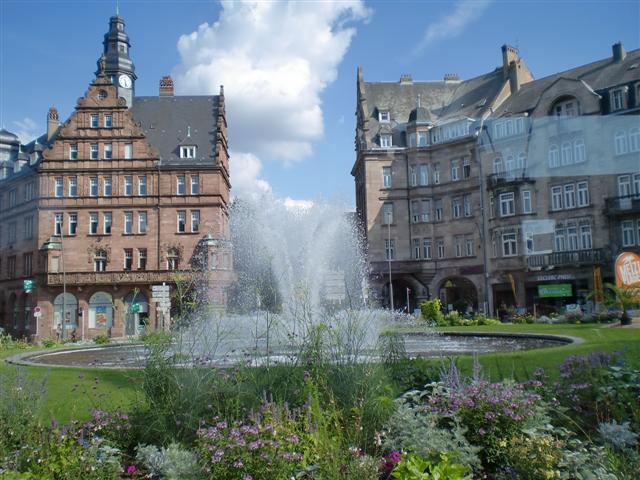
{"points": [[628, 270], [555, 290], [555, 277]]}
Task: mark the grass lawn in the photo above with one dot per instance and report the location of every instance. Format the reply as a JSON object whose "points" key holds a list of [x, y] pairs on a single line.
{"points": [[70, 393]]}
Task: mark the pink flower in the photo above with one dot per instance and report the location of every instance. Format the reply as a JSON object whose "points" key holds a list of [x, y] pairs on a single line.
{"points": [[131, 469]]}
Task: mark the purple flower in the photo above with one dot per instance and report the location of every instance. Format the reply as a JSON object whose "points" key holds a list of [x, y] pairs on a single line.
{"points": [[131, 469]]}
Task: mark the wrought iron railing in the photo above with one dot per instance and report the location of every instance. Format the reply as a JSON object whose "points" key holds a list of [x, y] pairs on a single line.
{"points": [[575, 257]]}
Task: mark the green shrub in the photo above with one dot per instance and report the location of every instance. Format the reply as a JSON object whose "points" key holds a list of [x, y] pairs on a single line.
{"points": [[482, 319], [522, 318], [532, 456], [101, 340], [170, 463], [49, 342], [442, 467], [432, 310]]}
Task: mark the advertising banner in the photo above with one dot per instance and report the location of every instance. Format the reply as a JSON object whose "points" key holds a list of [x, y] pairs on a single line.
{"points": [[555, 290]]}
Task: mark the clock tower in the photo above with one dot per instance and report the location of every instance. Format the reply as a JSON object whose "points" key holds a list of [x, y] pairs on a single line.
{"points": [[115, 62]]}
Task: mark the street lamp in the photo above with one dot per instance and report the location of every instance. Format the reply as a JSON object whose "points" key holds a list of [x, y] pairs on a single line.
{"points": [[483, 216], [389, 216]]}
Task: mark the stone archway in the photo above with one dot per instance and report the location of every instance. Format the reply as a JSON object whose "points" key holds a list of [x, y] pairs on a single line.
{"points": [[65, 306], [402, 286], [458, 293], [136, 313]]}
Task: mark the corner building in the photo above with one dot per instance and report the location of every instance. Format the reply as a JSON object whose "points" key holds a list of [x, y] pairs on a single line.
{"points": [[127, 193]]}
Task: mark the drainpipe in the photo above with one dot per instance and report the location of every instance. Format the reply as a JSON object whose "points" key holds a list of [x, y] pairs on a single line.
{"points": [[158, 217]]}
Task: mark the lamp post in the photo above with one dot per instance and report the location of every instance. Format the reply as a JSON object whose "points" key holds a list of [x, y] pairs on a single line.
{"points": [[483, 216], [64, 282], [389, 257]]}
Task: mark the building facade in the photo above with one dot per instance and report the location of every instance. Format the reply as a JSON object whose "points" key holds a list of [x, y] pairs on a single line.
{"points": [[458, 184], [128, 193]]}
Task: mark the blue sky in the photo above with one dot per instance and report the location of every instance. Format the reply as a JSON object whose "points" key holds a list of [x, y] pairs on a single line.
{"points": [[289, 69]]}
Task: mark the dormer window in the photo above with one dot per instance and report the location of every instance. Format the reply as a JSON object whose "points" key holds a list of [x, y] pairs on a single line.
{"points": [[384, 117], [617, 99], [188, 151], [566, 108], [385, 141]]}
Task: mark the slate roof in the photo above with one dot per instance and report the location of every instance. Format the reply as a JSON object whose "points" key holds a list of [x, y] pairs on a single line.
{"points": [[599, 75], [171, 121]]}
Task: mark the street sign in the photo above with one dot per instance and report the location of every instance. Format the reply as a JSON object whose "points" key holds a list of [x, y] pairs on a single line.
{"points": [[37, 312], [159, 295], [28, 285], [160, 288]]}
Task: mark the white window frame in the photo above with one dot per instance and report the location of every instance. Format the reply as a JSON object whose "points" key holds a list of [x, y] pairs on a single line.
{"points": [[426, 249], [108, 120], [142, 185], [127, 228], [466, 203], [569, 191], [95, 120], [620, 142], [438, 206], [469, 247], [181, 221], [424, 174], [509, 244], [426, 210], [93, 223], [387, 213], [387, 177], [195, 182], [93, 151], [579, 152], [554, 156], [188, 151], [181, 187], [415, 215], [58, 191], [507, 204], [107, 185], [456, 207], [416, 249], [572, 238], [384, 116], [557, 198], [195, 221], [586, 239], [58, 220], [413, 176], [128, 151], [73, 224], [142, 255], [617, 99], [107, 222], [455, 170], [527, 206], [128, 186], [107, 151], [390, 249], [634, 139], [93, 187], [73, 151], [142, 223], [566, 154], [582, 194], [440, 248], [128, 259], [386, 140], [73, 186], [627, 233]]}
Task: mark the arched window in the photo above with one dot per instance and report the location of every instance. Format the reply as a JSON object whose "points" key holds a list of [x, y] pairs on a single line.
{"points": [[567, 156], [634, 139], [521, 163], [65, 306], [100, 261], [497, 165], [173, 259], [579, 154], [566, 107], [554, 156], [100, 310], [620, 142]]}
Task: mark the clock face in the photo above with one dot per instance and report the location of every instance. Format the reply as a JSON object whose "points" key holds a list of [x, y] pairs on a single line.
{"points": [[124, 81]]}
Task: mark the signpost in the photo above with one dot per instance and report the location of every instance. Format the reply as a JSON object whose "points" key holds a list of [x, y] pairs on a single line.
{"points": [[161, 295], [37, 312]]}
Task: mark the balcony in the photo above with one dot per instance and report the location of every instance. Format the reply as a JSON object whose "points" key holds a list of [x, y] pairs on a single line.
{"points": [[622, 205], [111, 278], [503, 179], [563, 259]]}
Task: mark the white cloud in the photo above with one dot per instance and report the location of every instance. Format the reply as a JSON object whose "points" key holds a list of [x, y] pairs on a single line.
{"points": [[300, 205], [453, 24], [274, 60], [27, 129]]}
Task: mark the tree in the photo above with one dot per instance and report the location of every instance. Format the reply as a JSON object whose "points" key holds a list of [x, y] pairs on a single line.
{"points": [[623, 298]]}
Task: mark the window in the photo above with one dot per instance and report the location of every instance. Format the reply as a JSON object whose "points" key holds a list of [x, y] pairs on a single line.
{"points": [[390, 249], [180, 185], [458, 246], [385, 140], [12, 233], [439, 210], [572, 237], [106, 223], [568, 108], [412, 140], [73, 151], [415, 214], [469, 247], [456, 207], [108, 120], [128, 185], [106, 191], [93, 223], [384, 117], [73, 186], [387, 213], [510, 166], [188, 151], [634, 139], [467, 205], [497, 165], [128, 223], [526, 201], [142, 259], [195, 220], [422, 139], [554, 156], [173, 260], [413, 176], [440, 247], [142, 185], [559, 241], [492, 209], [624, 185], [424, 174], [93, 154], [569, 196], [426, 210], [566, 154], [93, 186], [29, 192], [585, 237], [416, 248], [436, 173], [195, 185], [11, 266], [128, 259], [627, 233], [617, 99], [28, 227], [455, 170], [466, 167], [128, 151], [27, 264], [386, 177], [100, 261], [94, 120], [58, 189], [108, 151], [509, 245], [507, 204], [142, 222], [426, 249], [583, 194], [59, 219], [528, 243], [636, 184], [13, 196], [579, 154], [620, 142], [521, 163], [556, 198], [182, 221], [73, 223]]}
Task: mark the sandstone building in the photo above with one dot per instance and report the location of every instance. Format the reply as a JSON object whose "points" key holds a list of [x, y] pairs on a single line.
{"points": [[123, 195]]}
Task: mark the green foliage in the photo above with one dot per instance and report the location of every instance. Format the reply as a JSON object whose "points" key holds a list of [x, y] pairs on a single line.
{"points": [[414, 467], [431, 310], [522, 318], [101, 340], [170, 463], [49, 342], [533, 456], [7, 342]]}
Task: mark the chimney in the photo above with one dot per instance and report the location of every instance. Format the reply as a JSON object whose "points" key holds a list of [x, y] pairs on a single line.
{"points": [[514, 80], [406, 79], [509, 54], [618, 52], [451, 77], [52, 122], [166, 86]]}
